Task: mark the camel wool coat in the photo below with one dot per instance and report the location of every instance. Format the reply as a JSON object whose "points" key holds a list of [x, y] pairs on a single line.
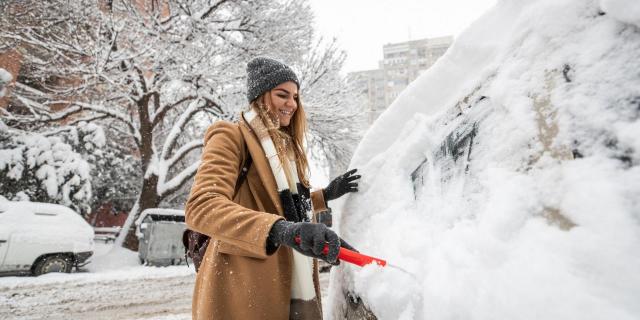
{"points": [[237, 278]]}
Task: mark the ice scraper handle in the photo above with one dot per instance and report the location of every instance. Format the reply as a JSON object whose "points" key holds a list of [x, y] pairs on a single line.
{"points": [[356, 258], [350, 256]]}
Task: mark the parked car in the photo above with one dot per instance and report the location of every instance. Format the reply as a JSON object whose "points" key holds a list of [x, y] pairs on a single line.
{"points": [[39, 238]]}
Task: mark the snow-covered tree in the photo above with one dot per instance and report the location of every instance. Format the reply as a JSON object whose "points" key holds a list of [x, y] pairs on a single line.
{"points": [[115, 178], [115, 174], [34, 167], [156, 73]]}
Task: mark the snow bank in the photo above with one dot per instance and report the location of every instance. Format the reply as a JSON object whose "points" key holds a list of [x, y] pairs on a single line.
{"points": [[109, 263], [505, 179]]}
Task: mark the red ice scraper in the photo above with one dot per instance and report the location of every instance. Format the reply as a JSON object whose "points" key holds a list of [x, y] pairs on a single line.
{"points": [[360, 259], [350, 256]]}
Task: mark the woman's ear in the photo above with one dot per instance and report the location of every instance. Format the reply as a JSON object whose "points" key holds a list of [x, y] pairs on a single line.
{"points": [[267, 99], [262, 101]]}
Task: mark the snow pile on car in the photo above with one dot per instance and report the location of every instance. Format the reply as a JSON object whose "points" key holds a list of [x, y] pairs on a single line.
{"points": [[505, 179], [44, 223]]}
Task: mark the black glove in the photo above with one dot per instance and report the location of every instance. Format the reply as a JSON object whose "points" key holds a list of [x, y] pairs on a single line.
{"points": [[313, 237], [341, 185]]}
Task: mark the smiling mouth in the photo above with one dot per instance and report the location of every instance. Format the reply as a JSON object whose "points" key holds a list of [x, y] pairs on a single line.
{"points": [[286, 113]]}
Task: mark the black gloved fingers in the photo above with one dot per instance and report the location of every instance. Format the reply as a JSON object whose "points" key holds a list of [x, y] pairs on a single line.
{"points": [[312, 239], [306, 244], [345, 245], [341, 185], [352, 178], [298, 230], [333, 241], [350, 172], [318, 244]]}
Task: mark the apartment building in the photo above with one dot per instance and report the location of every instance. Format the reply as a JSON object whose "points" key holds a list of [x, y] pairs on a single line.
{"points": [[402, 63]]}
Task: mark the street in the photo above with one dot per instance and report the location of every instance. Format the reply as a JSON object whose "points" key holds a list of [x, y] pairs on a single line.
{"points": [[81, 296]]}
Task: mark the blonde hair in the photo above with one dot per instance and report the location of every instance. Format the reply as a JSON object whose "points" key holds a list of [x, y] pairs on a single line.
{"points": [[294, 132]]}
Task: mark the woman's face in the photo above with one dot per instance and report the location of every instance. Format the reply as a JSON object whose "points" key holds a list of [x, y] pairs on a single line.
{"points": [[284, 101]]}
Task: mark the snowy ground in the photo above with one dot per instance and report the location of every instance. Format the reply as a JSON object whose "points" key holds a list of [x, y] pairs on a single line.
{"points": [[114, 286]]}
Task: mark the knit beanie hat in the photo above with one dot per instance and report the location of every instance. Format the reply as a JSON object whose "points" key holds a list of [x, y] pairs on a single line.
{"points": [[264, 74]]}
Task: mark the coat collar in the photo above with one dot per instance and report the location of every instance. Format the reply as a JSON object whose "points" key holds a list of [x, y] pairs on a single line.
{"points": [[259, 160]]}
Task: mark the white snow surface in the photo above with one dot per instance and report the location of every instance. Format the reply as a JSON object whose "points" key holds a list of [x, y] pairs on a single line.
{"points": [[5, 78], [113, 286], [60, 224], [623, 10], [541, 219], [158, 211], [94, 135], [62, 173]]}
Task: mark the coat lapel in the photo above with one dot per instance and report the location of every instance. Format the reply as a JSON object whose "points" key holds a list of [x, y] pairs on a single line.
{"points": [[259, 160]]}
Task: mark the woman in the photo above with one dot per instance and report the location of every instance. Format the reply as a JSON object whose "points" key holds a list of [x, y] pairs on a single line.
{"points": [[259, 263]]}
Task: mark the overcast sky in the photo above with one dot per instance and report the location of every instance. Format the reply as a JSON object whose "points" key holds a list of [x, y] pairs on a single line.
{"points": [[364, 26]]}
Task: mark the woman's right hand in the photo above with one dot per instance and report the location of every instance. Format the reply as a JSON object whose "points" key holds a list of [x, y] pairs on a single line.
{"points": [[312, 238]]}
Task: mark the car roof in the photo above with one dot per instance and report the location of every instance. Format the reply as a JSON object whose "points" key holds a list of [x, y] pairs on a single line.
{"points": [[36, 207], [25, 216]]}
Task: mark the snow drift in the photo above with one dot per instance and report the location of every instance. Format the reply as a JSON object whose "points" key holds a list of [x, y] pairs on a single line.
{"points": [[506, 178]]}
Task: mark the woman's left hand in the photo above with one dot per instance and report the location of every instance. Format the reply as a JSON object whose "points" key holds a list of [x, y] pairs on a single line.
{"points": [[341, 185]]}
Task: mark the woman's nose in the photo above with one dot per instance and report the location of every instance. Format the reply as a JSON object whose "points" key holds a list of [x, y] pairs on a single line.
{"points": [[291, 102]]}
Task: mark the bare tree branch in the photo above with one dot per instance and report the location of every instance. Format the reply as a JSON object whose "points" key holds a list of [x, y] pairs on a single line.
{"points": [[172, 138], [178, 181], [158, 116], [212, 9], [183, 151]]}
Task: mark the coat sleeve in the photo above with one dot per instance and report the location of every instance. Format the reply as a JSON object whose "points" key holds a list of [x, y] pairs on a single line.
{"points": [[317, 201], [210, 209]]}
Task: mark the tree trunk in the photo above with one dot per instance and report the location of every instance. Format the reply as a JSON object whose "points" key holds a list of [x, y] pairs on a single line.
{"points": [[149, 194], [148, 199]]}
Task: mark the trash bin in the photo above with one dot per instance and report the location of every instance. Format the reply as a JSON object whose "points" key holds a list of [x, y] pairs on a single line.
{"points": [[159, 233]]}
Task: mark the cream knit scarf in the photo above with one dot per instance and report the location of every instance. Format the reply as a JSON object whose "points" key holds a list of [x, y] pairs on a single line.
{"points": [[295, 202]]}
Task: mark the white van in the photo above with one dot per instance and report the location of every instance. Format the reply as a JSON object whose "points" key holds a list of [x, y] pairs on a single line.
{"points": [[39, 238]]}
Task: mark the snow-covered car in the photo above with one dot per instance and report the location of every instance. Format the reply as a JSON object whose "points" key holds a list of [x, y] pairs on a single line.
{"points": [[503, 183], [39, 238]]}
